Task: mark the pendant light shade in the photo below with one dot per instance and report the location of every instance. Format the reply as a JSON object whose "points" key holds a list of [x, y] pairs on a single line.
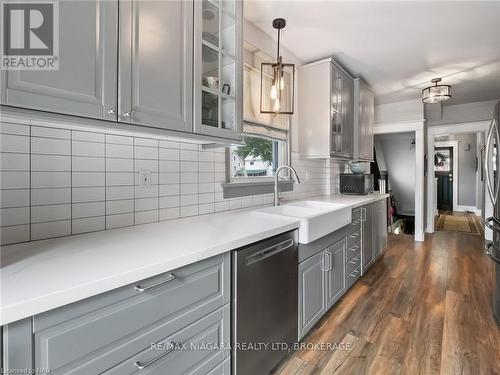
{"points": [[277, 81], [436, 93]]}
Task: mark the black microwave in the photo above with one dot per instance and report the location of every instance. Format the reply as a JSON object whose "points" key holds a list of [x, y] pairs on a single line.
{"points": [[356, 183]]}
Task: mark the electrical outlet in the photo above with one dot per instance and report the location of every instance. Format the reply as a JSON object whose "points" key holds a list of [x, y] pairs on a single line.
{"points": [[145, 179]]}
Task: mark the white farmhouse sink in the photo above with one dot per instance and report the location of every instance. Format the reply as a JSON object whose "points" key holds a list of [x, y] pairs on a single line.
{"points": [[317, 219]]}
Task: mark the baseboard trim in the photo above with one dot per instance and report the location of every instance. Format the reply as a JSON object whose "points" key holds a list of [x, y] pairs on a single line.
{"points": [[469, 209]]}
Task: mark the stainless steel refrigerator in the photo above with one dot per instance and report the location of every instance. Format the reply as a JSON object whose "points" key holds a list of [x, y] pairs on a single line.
{"points": [[492, 169]]}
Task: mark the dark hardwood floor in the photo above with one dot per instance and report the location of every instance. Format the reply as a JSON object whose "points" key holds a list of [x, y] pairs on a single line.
{"points": [[423, 308]]}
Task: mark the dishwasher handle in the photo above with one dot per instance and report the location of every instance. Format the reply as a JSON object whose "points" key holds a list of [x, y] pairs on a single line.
{"points": [[269, 252]]}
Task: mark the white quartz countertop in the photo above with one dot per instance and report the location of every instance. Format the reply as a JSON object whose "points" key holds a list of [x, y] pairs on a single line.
{"points": [[42, 275]]}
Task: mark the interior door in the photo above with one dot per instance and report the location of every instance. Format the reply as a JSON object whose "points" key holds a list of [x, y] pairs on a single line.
{"points": [[155, 81], [85, 83], [443, 167]]}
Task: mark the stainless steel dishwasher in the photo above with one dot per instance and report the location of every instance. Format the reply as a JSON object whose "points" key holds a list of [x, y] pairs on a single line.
{"points": [[264, 303]]}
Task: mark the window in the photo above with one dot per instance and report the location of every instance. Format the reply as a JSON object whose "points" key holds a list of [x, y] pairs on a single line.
{"points": [[258, 158]]}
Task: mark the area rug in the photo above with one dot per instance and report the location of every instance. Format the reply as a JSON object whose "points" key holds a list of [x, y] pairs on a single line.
{"points": [[457, 224]]}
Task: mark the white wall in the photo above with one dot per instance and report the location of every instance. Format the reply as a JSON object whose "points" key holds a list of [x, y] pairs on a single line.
{"points": [[399, 157], [466, 167], [458, 113], [405, 111]]}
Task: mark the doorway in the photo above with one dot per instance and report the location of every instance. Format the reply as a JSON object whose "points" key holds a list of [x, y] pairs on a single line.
{"points": [[443, 169]]}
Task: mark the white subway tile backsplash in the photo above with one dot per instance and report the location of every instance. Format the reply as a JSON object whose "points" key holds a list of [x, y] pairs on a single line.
{"points": [[14, 180], [18, 129], [146, 204], [118, 221], [146, 165], [189, 200], [14, 234], [119, 165], [39, 131], [58, 181], [169, 144], [189, 211], [170, 213], [14, 162], [15, 143], [14, 198], [119, 151], [90, 209], [119, 139], [145, 217], [169, 166], [188, 155], [119, 207], [40, 231], [189, 178], [142, 152], [88, 194], [168, 202], [119, 192], [168, 190], [88, 179], [189, 189], [89, 224], [87, 136], [83, 148], [87, 164], [170, 178], [55, 212], [168, 154], [50, 163], [119, 178], [42, 197], [50, 146], [14, 216]]}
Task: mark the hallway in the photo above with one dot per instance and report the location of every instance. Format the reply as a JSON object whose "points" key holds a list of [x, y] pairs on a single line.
{"points": [[423, 308]]}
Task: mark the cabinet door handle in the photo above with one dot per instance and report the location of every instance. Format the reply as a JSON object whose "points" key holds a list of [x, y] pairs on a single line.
{"points": [[141, 365], [327, 261], [111, 111], [160, 283]]}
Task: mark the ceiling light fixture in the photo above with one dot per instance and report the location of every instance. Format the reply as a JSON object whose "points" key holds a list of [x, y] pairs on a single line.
{"points": [[277, 81], [436, 93]]}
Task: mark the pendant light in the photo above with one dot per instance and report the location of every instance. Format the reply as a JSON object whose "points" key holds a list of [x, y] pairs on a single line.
{"points": [[436, 93], [277, 81]]}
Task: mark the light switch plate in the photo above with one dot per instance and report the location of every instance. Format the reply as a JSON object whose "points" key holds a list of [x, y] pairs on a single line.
{"points": [[145, 179]]}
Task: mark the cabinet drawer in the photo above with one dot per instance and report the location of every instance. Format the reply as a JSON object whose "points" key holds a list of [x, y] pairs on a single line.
{"points": [[195, 349], [352, 252], [352, 277], [97, 333], [356, 213], [353, 238], [352, 264]]}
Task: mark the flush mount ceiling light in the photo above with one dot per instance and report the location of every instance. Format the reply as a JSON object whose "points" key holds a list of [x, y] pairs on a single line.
{"points": [[436, 93], [277, 81]]}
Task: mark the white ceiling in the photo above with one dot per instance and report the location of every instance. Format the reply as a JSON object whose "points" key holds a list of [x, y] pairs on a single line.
{"points": [[397, 46]]}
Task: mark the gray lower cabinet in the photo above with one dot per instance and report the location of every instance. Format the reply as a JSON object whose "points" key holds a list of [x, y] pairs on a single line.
{"points": [[335, 276], [133, 327], [85, 83], [374, 232], [156, 64], [367, 231], [312, 304]]}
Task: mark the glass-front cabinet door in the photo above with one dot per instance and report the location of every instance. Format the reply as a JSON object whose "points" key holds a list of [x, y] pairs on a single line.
{"points": [[218, 74]]}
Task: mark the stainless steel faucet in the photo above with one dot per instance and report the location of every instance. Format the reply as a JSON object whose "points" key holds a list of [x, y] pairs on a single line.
{"points": [[276, 175]]}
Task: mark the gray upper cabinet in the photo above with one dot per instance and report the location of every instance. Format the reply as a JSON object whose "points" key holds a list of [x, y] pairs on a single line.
{"points": [[155, 64], [85, 84], [326, 99], [364, 118], [218, 69]]}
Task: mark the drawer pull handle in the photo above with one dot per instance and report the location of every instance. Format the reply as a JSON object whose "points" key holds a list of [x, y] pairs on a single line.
{"points": [[354, 248], [354, 261], [146, 288], [142, 366], [354, 235]]}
